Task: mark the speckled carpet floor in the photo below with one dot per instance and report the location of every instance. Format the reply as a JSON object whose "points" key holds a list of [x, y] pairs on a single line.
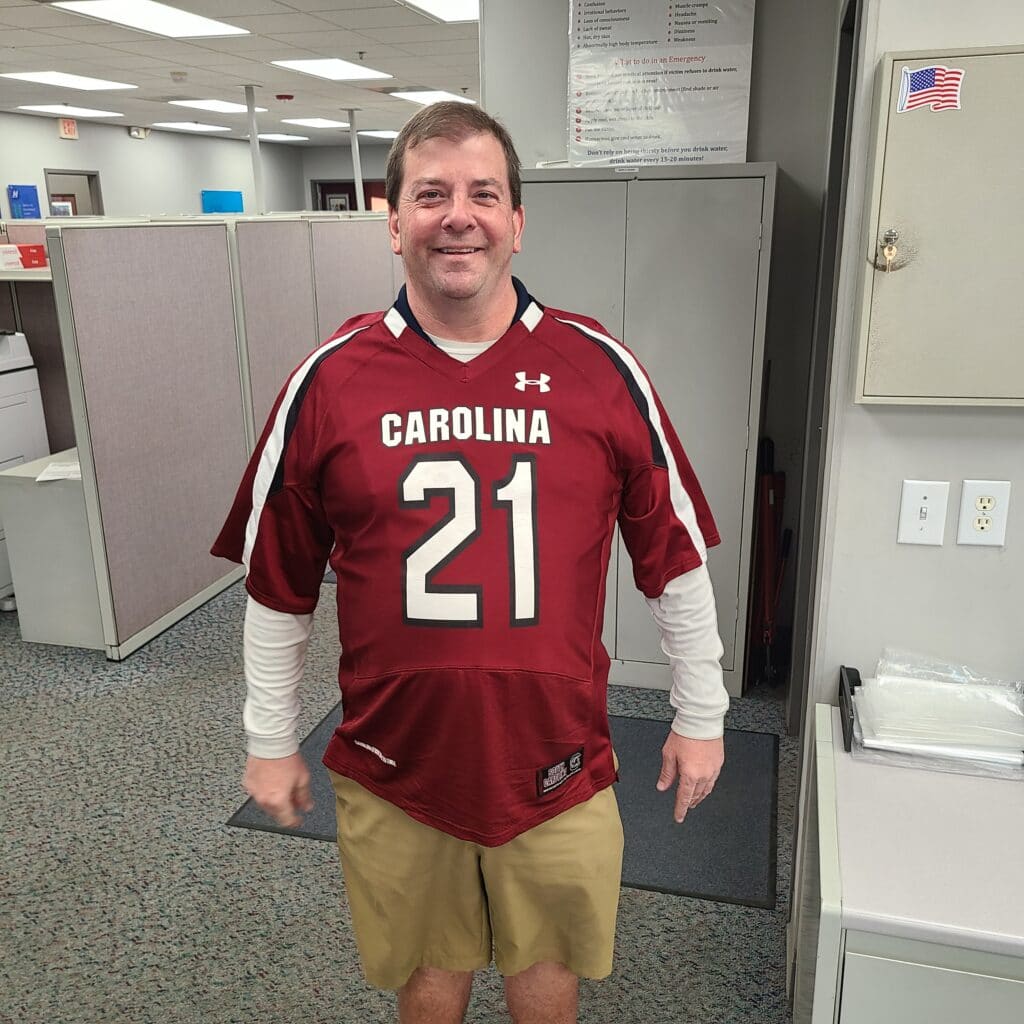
{"points": [[126, 898]]}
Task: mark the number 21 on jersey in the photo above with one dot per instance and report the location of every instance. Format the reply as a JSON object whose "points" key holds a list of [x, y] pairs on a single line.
{"points": [[427, 603]]}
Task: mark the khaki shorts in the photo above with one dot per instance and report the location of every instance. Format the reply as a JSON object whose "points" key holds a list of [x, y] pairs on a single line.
{"points": [[422, 898]]}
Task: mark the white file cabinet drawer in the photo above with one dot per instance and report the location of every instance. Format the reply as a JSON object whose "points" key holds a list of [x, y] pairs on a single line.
{"points": [[877, 990]]}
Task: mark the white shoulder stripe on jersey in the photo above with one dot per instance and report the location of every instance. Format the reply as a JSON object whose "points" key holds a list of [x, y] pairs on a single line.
{"points": [[273, 450], [682, 503], [532, 316], [394, 321]]}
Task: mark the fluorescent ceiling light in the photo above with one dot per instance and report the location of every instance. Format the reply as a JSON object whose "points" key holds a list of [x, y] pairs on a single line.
{"points": [[425, 97], [66, 110], [380, 135], [332, 68], [66, 81], [446, 10], [152, 17], [277, 137], [190, 126], [217, 106], [314, 122]]}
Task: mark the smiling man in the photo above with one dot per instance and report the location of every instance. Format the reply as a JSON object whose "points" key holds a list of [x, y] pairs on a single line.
{"points": [[461, 460]]}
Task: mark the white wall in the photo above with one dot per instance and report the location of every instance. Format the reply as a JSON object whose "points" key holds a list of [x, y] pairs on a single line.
{"points": [[164, 173], [334, 163]]}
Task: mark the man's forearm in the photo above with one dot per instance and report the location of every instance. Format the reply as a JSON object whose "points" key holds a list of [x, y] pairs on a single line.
{"points": [[274, 649], [686, 616]]}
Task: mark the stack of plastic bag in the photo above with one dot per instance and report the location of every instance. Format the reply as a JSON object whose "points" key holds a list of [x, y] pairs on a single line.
{"points": [[926, 713]]}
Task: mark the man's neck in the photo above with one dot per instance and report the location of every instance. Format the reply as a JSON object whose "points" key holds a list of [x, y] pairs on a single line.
{"points": [[465, 319]]}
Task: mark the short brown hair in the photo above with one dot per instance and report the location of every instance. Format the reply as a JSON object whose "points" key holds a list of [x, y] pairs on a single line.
{"points": [[454, 121]]}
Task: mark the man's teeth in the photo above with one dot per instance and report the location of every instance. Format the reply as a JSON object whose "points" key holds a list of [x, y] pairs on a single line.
{"points": [[458, 251]]}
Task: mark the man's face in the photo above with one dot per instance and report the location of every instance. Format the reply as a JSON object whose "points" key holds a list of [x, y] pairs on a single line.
{"points": [[455, 227]]}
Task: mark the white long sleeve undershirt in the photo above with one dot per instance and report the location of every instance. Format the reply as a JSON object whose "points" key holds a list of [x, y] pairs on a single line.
{"points": [[275, 646]]}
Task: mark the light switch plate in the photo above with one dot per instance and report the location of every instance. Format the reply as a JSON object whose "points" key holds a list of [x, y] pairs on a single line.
{"points": [[984, 509], [923, 512]]}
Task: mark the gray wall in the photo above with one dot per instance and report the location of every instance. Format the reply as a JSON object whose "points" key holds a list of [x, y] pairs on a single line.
{"points": [[162, 174], [790, 112], [334, 163]]}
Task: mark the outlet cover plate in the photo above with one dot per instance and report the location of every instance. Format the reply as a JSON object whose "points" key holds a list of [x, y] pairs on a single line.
{"points": [[981, 500], [923, 512]]}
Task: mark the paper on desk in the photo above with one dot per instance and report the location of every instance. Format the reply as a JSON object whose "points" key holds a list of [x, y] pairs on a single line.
{"points": [[60, 471]]}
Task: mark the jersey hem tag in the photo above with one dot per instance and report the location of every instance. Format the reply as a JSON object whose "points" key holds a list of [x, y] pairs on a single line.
{"points": [[555, 775]]}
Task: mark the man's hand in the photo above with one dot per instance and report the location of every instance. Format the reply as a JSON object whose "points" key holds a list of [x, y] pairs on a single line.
{"points": [[696, 762], [280, 786]]}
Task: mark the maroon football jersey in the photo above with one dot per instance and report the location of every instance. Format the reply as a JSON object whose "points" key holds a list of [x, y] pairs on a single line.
{"points": [[467, 510]]}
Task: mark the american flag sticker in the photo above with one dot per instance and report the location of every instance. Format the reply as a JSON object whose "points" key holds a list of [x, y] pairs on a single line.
{"points": [[936, 86]]}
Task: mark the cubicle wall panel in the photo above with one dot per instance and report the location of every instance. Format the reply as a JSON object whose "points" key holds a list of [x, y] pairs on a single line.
{"points": [[353, 269], [39, 321], [160, 380], [276, 272]]}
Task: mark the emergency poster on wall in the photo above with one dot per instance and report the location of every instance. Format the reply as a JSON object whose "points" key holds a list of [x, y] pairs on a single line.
{"points": [[659, 81]]}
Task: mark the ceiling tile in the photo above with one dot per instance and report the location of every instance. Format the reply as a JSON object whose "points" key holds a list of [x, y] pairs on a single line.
{"points": [[394, 16], [238, 8], [39, 16], [413, 33], [17, 38], [294, 22], [441, 47]]}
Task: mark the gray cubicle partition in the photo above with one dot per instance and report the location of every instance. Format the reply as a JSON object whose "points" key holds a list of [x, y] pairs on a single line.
{"points": [[354, 270], [275, 269], [148, 325]]}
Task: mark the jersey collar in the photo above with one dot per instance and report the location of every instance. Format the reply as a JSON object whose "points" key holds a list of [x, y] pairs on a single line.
{"points": [[400, 316]]}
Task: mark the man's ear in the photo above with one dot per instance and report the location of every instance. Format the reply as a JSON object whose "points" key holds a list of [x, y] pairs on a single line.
{"points": [[396, 242], [519, 221]]}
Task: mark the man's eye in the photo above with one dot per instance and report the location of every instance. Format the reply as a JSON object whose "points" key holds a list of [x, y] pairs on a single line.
{"points": [[431, 194], [486, 195]]}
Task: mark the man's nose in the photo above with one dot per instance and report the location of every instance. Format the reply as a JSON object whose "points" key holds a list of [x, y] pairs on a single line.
{"points": [[460, 215]]}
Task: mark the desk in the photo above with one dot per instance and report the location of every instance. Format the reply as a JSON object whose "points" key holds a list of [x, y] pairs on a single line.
{"points": [[922, 900], [51, 556]]}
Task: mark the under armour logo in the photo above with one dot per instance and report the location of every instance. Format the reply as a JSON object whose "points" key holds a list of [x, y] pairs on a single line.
{"points": [[541, 382]]}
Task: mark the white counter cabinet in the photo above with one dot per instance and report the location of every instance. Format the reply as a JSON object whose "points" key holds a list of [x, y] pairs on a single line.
{"points": [[921, 895]]}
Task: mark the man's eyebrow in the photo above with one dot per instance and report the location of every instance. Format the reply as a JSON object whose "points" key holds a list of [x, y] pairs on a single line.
{"points": [[494, 183]]}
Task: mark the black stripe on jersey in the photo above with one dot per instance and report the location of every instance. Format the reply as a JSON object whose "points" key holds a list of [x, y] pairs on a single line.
{"points": [[639, 398], [277, 484], [523, 300]]}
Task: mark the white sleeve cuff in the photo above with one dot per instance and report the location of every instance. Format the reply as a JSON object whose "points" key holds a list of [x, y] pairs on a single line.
{"points": [[685, 614], [274, 651]]}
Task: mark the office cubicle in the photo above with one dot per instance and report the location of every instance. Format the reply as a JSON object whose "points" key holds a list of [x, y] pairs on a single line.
{"points": [[176, 335]]}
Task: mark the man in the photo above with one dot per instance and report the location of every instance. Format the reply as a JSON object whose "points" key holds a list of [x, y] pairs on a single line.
{"points": [[461, 460]]}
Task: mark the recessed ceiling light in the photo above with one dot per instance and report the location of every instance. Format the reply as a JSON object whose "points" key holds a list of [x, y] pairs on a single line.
{"points": [[380, 135], [332, 68], [66, 110], [277, 137], [446, 10], [425, 96], [190, 126], [217, 106], [314, 122], [152, 17], [65, 81]]}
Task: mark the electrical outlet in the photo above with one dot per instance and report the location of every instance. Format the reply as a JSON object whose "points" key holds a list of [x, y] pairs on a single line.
{"points": [[984, 509], [923, 512]]}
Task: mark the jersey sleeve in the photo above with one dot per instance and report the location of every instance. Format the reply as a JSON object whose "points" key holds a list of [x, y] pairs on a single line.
{"points": [[277, 527], [664, 517]]}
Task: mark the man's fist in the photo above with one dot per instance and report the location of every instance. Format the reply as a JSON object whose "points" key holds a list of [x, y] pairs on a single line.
{"points": [[280, 786]]}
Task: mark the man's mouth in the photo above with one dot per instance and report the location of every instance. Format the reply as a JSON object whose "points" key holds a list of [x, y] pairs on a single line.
{"points": [[464, 250]]}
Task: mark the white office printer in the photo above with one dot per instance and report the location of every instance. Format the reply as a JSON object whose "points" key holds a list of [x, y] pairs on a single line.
{"points": [[22, 428]]}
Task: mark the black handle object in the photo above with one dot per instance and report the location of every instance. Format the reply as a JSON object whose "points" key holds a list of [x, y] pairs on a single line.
{"points": [[849, 680]]}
